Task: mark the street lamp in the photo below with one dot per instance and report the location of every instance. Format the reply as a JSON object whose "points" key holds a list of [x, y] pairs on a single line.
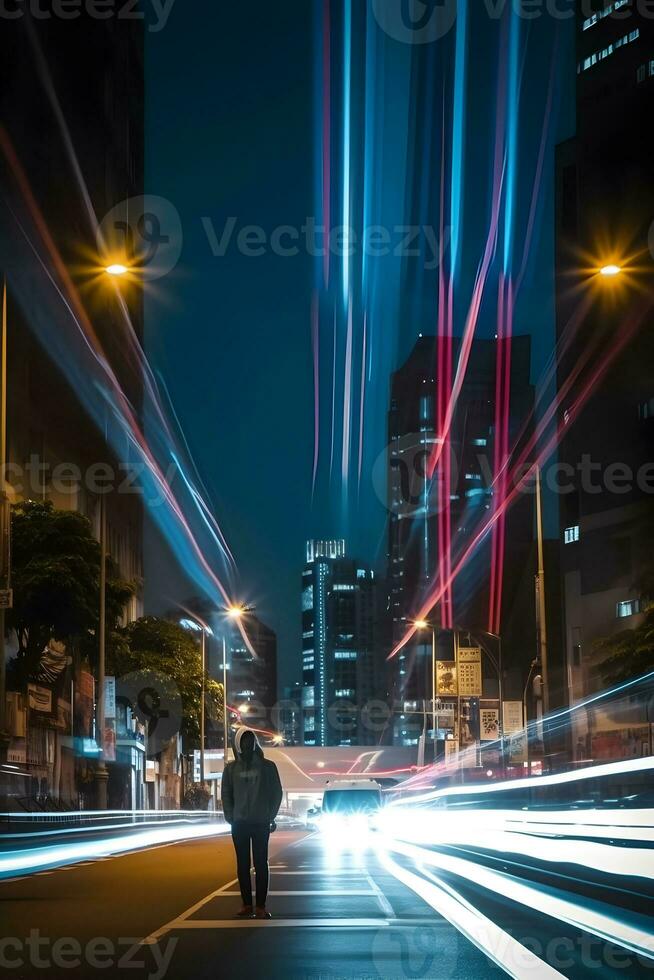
{"points": [[610, 270], [236, 612], [423, 624], [198, 627], [116, 269]]}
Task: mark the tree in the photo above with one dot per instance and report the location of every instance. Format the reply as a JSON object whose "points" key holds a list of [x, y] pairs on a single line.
{"points": [[630, 653], [55, 577], [154, 645]]}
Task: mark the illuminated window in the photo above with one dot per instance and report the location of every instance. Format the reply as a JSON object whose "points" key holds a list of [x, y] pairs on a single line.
{"points": [[571, 534], [344, 692], [601, 14], [629, 607], [345, 655], [606, 52]]}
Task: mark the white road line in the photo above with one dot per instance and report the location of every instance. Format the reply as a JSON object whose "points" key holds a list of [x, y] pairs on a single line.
{"points": [[324, 873], [155, 936], [384, 904], [294, 923], [335, 892]]}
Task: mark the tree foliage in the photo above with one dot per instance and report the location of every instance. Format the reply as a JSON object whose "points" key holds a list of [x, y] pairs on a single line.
{"points": [[56, 581], [157, 645], [630, 653]]}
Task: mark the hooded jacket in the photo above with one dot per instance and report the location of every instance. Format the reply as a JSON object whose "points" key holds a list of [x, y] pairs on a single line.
{"points": [[251, 791]]}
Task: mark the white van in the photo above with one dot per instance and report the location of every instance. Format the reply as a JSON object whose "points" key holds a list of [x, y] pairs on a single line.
{"points": [[348, 799]]}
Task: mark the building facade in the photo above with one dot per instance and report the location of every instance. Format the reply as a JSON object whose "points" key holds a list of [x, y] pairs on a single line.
{"points": [[340, 650], [456, 502], [605, 203], [252, 682], [71, 112]]}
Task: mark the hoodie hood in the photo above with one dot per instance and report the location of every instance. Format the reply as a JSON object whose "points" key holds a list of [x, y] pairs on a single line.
{"points": [[240, 732]]}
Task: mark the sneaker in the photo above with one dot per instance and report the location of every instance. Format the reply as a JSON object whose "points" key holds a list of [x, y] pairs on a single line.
{"points": [[245, 913], [261, 913]]}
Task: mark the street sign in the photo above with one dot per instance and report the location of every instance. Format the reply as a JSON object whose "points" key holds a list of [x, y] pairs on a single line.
{"points": [[469, 655], [512, 717], [470, 679], [446, 680], [6, 598], [110, 697], [489, 724]]}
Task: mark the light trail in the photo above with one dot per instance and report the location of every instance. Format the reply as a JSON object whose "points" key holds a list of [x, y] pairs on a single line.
{"points": [[518, 475], [315, 343], [114, 398], [40, 858], [548, 900], [514, 958]]}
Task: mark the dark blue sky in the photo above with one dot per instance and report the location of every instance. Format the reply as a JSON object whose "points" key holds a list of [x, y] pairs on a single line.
{"points": [[231, 123]]}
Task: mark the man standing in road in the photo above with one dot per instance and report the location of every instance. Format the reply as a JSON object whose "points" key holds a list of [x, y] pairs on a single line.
{"points": [[251, 795]]}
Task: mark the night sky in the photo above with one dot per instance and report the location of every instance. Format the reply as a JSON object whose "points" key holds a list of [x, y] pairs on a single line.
{"points": [[231, 131]]}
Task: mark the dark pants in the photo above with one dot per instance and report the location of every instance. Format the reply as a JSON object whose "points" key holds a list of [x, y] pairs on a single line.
{"points": [[254, 835]]}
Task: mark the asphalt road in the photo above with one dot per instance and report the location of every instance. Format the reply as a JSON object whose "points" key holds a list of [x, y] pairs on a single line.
{"points": [[339, 911]]}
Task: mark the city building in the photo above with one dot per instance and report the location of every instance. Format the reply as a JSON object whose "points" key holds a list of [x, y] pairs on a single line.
{"points": [[71, 106], [605, 203], [421, 510], [252, 680], [342, 664]]}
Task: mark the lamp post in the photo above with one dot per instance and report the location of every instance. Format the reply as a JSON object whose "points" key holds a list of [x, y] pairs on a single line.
{"points": [[5, 527], [236, 612], [203, 630], [423, 624], [101, 771]]}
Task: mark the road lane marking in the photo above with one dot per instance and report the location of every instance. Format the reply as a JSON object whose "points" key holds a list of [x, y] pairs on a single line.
{"points": [[334, 892], [384, 904], [301, 923], [155, 936], [325, 873]]}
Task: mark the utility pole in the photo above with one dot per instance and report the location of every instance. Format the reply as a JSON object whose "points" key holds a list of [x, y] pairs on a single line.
{"points": [[5, 527], [202, 700], [541, 620], [225, 719], [101, 772]]}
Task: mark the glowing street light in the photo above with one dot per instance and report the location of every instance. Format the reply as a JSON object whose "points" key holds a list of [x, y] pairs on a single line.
{"points": [[237, 612], [422, 624], [116, 269], [611, 270]]}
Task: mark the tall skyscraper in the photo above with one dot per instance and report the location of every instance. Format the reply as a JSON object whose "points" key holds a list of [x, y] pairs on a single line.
{"points": [[340, 654], [419, 555], [605, 206]]}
